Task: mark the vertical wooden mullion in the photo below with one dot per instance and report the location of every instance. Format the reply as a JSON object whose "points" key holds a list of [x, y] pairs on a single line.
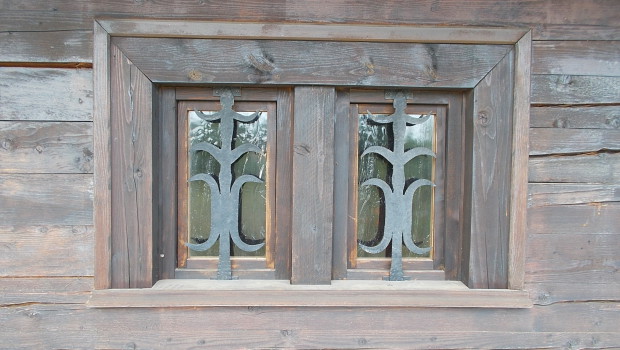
{"points": [[353, 193], [165, 180], [271, 185], [131, 157], [313, 170], [520, 157], [453, 196], [182, 190], [341, 185], [102, 149], [283, 183], [439, 193], [490, 177]]}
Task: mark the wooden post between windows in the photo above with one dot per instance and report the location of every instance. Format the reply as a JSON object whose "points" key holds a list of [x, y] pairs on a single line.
{"points": [[313, 173]]}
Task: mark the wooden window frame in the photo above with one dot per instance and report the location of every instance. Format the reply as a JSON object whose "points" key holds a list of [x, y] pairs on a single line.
{"points": [[276, 263], [496, 101]]}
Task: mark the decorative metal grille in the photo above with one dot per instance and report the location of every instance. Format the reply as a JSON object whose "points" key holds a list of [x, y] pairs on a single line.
{"points": [[398, 197], [225, 192]]}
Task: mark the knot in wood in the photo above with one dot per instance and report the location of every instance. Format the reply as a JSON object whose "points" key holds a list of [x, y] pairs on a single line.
{"points": [[560, 123], [614, 122], [302, 149], [483, 118], [8, 144], [194, 75], [261, 63]]}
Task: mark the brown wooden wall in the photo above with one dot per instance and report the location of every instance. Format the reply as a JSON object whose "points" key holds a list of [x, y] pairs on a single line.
{"points": [[46, 187]]}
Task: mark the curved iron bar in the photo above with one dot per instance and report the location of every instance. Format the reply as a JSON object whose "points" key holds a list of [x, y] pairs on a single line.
{"points": [[398, 198], [225, 192]]}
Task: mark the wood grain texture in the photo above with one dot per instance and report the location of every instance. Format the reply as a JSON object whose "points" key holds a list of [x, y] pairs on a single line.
{"points": [[165, 183], [561, 141], [551, 293], [554, 258], [562, 325], [56, 32], [313, 176], [602, 168], [519, 155], [284, 181], [588, 117], [46, 199], [354, 298], [392, 11], [310, 32], [574, 89], [575, 32], [553, 194], [487, 215], [576, 57], [46, 147], [46, 94], [50, 46], [46, 251], [594, 218], [314, 62], [102, 143], [132, 174], [28, 290]]}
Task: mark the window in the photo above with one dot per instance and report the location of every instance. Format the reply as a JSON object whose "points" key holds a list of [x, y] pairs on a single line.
{"points": [[316, 87]]}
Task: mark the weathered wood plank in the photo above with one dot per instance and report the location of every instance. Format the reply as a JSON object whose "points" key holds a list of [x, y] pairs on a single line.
{"points": [[564, 325], [46, 251], [574, 89], [102, 142], [278, 297], [574, 32], [46, 199], [312, 62], [488, 183], [551, 293], [132, 174], [576, 57], [559, 140], [552, 194], [312, 187], [45, 290], [46, 94], [365, 11], [284, 170], [46, 147], [52, 46], [520, 155], [592, 117], [309, 32], [603, 168], [553, 258], [56, 32], [595, 218]]}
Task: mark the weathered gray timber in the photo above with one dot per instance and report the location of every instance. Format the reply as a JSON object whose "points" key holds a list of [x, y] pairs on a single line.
{"points": [[46, 185]]}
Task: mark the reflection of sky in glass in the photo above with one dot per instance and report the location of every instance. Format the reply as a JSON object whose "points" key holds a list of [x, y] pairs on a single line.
{"points": [[252, 208], [370, 199]]}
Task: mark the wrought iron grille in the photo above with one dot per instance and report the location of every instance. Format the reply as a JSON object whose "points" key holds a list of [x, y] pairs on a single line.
{"points": [[399, 196], [225, 192]]}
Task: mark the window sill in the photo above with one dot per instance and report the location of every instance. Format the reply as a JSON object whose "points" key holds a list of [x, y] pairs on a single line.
{"points": [[211, 293]]}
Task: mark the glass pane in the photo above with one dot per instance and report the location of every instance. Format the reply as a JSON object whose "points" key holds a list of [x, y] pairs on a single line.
{"points": [[371, 207], [252, 197]]}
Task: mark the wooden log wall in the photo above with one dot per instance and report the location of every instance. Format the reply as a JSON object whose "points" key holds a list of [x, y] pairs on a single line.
{"points": [[46, 183]]}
